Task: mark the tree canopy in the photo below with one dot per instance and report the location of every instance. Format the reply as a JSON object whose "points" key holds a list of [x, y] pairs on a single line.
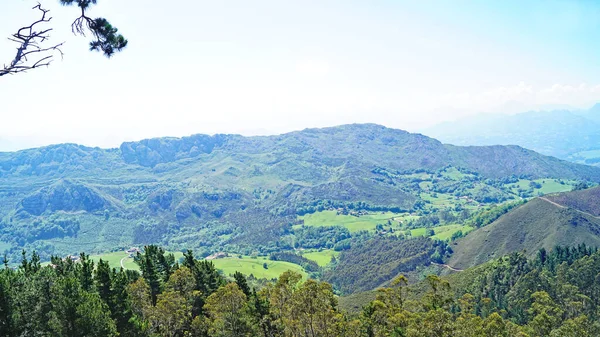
{"points": [[554, 294], [34, 50]]}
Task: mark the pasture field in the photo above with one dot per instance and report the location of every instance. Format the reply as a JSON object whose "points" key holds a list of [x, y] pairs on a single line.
{"points": [[548, 186], [453, 174], [425, 185], [353, 223], [442, 232], [440, 200], [553, 186], [248, 265], [405, 217], [446, 232], [323, 257], [418, 231]]}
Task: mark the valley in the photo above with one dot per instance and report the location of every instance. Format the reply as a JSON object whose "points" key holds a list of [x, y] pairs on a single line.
{"points": [[304, 206], [299, 169], [309, 193]]}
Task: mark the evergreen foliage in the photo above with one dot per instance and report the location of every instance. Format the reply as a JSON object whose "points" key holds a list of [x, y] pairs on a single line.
{"points": [[554, 294]]}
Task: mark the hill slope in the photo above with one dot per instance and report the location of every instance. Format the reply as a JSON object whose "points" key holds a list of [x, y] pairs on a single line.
{"points": [[562, 219], [242, 193]]}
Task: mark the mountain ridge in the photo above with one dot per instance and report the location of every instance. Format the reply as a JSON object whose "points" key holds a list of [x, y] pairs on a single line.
{"points": [[563, 219], [565, 134], [244, 193], [155, 151]]}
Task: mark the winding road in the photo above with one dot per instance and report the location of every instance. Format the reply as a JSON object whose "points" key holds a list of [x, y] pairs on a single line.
{"points": [[446, 266], [563, 206]]}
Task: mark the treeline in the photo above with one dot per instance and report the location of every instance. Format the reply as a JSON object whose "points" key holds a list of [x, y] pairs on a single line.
{"points": [[567, 276], [320, 237], [486, 217], [554, 295], [322, 205], [308, 265]]}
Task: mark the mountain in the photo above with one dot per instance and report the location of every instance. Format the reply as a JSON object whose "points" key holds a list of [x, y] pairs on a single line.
{"points": [[564, 134], [244, 194], [563, 219], [593, 113]]}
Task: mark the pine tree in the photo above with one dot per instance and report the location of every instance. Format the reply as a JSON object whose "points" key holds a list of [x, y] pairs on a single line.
{"points": [[102, 278], [240, 279]]}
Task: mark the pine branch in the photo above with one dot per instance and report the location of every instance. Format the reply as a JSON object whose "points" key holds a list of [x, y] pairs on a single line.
{"points": [[106, 36]]}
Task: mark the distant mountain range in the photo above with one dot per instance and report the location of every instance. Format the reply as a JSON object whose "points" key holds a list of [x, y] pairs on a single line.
{"points": [[243, 194], [570, 135]]}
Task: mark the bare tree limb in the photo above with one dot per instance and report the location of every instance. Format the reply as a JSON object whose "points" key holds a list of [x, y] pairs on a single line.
{"points": [[31, 52]]}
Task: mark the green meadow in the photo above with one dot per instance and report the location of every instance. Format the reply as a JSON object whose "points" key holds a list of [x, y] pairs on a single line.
{"points": [[353, 223], [547, 185], [323, 257], [442, 232], [248, 265]]}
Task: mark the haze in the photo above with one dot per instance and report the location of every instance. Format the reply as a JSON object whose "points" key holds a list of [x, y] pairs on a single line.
{"points": [[265, 67]]}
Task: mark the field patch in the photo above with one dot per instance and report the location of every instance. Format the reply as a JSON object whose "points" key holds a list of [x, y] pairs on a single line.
{"points": [[543, 186], [442, 232], [439, 200], [354, 223], [254, 266], [323, 257]]}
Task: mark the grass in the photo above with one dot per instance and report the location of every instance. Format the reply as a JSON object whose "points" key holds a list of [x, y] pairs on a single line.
{"points": [[248, 265], [353, 223], [453, 174], [405, 218], [441, 200], [323, 257], [553, 186], [537, 224], [445, 232], [442, 232], [418, 231], [548, 186], [425, 185]]}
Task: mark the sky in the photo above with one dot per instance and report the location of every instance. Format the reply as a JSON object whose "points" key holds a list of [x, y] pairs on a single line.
{"points": [[271, 66]]}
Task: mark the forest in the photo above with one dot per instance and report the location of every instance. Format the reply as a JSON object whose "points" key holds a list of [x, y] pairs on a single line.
{"points": [[554, 294]]}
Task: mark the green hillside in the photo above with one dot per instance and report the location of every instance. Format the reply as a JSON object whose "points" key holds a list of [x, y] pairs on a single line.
{"points": [[255, 266], [248, 194], [375, 262], [507, 282], [540, 223]]}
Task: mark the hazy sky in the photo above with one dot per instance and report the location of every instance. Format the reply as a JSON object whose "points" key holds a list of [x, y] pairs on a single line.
{"points": [[264, 67]]}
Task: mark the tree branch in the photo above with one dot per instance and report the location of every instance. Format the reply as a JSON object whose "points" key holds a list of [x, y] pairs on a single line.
{"points": [[30, 42], [106, 37]]}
